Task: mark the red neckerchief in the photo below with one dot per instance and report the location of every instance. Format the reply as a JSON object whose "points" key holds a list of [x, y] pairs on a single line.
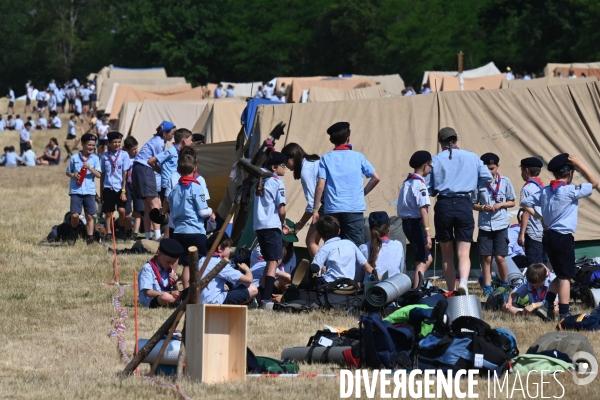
{"points": [[448, 148], [275, 176], [414, 176], [113, 162], [497, 189], [385, 239], [82, 158], [216, 254], [537, 298], [129, 171], [159, 278], [187, 181], [343, 147], [536, 181], [555, 184]]}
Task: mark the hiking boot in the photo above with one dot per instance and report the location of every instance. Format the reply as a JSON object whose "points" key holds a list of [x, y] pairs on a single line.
{"points": [[89, 240], [549, 311], [267, 306], [108, 238], [72, 237], [463, 290]]}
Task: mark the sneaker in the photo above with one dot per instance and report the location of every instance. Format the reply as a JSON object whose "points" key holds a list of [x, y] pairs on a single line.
{"points": [[267, 306], [463, 290], [487, 291], [542, 312], [158, 239], [108, 238], [253, 305], [72, 237], [89, 240]]}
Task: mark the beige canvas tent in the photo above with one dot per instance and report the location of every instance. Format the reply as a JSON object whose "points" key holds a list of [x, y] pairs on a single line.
{"points": [[137, 73], [485, 70], [127, 115], [545, 81], [511, 123], [551, 67], [243, 89], [301, 84], [221, 120], [183, 114], [392, 84], [215, 161], [446, 83], [316, 93], [108, 86]]}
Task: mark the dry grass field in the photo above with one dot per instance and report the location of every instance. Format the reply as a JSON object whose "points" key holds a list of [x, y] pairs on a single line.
{"points": [[57, 313]]}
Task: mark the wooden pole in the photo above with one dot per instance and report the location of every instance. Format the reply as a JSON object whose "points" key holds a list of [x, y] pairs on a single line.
{"points": [[135, 312], [181, 359]]}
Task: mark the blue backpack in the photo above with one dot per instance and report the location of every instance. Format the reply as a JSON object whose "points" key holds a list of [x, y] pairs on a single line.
{"points": [[383, 345]]}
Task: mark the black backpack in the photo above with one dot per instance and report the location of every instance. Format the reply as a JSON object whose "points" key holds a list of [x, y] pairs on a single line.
{"points": [[383, 345]]}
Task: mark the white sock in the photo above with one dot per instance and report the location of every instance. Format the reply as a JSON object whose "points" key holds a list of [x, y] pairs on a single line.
{"points": [[464, 282], [156, 233], [148, 235]]}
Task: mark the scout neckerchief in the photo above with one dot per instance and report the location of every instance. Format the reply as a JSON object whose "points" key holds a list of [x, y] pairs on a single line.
{"points": [[414, 176], [497, 189], [159, 278], [113, 162], [82, 158], [555, 184], [129, 171], [448, 147], [536, 181], [385, 239], [534, 293], [343, 147], [216, 254], [187, 181]]}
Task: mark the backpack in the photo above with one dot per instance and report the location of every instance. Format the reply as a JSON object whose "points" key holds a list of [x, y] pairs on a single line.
{"points": [[267, 365], [525, 363], [325, 338], [580, 322], [383, 345], [564, 342], [296, 306], [496, 299], [588, 275], [342, 294], [427, 295]]}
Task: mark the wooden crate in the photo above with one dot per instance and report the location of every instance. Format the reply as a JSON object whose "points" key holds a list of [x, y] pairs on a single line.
{"points": [[215, 342]]}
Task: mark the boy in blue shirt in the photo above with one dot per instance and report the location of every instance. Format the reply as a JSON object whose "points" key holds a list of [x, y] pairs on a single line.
{"points": [[413, 208], [115, 164], [133, 205], [531, 232], [10, 158], [238, 279], [530, 295], [83, 194], [340, 180], [269, 222], [24, 137], [337, 258], [158, 277], [492, 201], [559, 204], [188, 206]]}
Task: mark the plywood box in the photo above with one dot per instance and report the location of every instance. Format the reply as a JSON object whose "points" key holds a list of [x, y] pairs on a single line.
{"points": [[215, 342]]}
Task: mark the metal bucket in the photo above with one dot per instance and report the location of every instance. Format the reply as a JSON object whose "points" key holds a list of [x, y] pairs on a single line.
{"points": [[169, 356], [463, 306]]}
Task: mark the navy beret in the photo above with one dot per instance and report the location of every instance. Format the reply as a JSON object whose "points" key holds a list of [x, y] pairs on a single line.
{"points": [[532, 162], [170, 248], [338, 126], [377, 219], [87, 137], [490, 158], [211, 240], [276, 158], [419, 158], [197, 137], [114, 135], [559, 164]]}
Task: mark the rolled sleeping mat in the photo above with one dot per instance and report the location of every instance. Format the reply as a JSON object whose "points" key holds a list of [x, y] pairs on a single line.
{"points": [[169, 356], [594, 298], [463, 306], [388, 290], [515, 276], [300, 354]]}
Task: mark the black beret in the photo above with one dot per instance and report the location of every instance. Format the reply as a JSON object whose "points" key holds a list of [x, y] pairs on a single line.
{"points": [[87, 137], [276, 158], [114, 135], [490, 158], [559, 164], [211, 240], [419, 158], [377, 219], [446, 133], [532, 162], [170, 248], [197, 137], [338, 126]]}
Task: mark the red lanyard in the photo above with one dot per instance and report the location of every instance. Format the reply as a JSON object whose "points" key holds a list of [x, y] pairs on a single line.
{"points": [[159, 278], [113, 162], [495, 191]]}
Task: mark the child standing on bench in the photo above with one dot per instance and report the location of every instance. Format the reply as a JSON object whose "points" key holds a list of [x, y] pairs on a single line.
{"points": [[413, 208], [559, 203]]}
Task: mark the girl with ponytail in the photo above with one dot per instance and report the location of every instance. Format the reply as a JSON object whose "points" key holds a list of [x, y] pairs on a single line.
{"points": [[383, 254]]}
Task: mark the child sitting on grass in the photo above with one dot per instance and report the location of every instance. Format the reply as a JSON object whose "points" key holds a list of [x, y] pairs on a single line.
{"points": [[529, 297], [158, 277]]}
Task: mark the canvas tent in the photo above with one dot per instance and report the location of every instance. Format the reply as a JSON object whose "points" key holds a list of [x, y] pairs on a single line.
{"points": [[392, 84], [243, 89], [512, 123], [446, 83], [301, 84], [108, 86], [316, 93], [551, 67], [137, 73], [220, 120], [545, 81], [485, 70], [183, 114], [127, 115], [214, 162]]}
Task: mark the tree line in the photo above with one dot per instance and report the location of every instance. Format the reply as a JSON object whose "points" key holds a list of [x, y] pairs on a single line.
{"points": [[247, 40]]}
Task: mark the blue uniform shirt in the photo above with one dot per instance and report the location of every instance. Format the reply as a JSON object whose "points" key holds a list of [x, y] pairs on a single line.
{"points": [[460, 175], [343, 172], [113, 178], [152, 147], [147, 280], [258, 264], [535, 295], [88, 186], [390, 258], [185, 204], [559, 209], [498, 220], [535, 229], [167, 160], [29, 157], [215, 292], [266, 207], [341, 259], [413, 196], [11, 158], [24, 136], [308, 179]]}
